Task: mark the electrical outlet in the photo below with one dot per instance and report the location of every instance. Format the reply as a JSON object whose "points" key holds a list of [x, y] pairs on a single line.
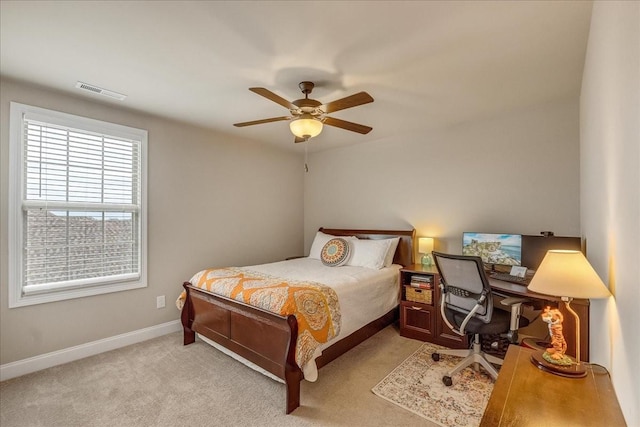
{"points": [[160, 301]]}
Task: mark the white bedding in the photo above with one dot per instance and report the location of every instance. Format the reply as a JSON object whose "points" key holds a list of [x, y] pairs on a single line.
{"points": [[364, 294]]}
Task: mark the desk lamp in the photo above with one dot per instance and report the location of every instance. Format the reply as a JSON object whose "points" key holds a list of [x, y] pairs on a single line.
{"points": [[568, 275], [425, 246]]}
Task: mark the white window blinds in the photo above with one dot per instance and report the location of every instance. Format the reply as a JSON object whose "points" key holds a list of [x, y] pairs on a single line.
{"points": [[81, 205]]}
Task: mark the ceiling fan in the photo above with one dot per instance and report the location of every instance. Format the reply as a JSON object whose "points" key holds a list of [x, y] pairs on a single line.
{"points": [[308, 115]]}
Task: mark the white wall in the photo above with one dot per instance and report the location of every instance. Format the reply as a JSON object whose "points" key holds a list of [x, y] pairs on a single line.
{"points": [[610, 191], [518, 172], [213, 201]]}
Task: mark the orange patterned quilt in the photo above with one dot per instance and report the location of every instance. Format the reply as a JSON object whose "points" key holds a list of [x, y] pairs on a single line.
{"points": [[314, 305]]}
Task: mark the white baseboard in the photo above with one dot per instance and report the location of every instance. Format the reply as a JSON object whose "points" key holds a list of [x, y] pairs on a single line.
{"points": [[55, 358]]}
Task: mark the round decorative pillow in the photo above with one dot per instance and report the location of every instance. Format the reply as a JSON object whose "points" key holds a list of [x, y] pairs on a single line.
{"points": [[335, 252]]}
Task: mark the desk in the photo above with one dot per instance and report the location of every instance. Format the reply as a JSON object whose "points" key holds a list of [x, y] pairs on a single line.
{"points": [[525, 396], [580, 306], [424, 321]]}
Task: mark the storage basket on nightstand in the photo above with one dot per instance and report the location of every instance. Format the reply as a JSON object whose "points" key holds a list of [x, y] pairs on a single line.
{"points": [[424, 296]]}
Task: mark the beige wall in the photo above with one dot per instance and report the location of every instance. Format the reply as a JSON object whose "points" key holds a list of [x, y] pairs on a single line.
{"points": [[518, 172], [610, 191], [213, 201]]}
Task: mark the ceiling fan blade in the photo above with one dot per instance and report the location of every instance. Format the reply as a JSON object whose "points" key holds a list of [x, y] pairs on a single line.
{"points": [[348, 102], [273, 97], [353, 127], [259, 122]]}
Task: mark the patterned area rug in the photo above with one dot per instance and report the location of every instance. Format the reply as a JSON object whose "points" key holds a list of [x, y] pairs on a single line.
{"points": [[416, 385]]}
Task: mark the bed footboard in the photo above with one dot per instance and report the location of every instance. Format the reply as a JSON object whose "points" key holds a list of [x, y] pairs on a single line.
{"points": [[264, 338]]}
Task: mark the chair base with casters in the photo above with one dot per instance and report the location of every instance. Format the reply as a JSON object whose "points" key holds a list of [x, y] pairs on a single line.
{"points": [[474, 355]]}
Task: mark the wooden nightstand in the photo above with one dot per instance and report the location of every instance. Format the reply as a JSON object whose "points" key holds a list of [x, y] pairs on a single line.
{"points": [[420, 310]]}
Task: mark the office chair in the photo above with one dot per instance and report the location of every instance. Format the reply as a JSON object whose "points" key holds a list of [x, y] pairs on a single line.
{"points": [[466, 305]]}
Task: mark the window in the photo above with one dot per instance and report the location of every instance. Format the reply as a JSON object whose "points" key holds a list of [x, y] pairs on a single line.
{"points": [[77, 206]]}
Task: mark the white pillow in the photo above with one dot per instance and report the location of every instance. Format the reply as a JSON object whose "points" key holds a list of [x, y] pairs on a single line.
{"points": [[369, 253], [320, 240], [388, 261]]}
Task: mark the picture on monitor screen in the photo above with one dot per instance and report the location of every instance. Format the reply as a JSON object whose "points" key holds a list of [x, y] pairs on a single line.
{"points": [[494, 249]]}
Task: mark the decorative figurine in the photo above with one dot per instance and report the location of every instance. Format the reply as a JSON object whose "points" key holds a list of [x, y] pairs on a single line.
{"points": [[555, 354]]}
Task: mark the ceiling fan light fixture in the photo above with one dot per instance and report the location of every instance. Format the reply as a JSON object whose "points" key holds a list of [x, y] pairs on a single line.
{"points": [[306, 126], [308, 116]]}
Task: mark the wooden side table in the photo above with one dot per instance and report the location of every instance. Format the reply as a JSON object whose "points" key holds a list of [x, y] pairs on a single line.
{"points": [[526, 396]]}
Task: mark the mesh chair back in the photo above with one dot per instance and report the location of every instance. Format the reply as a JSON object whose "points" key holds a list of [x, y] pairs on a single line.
{"points": [[464, 280]]}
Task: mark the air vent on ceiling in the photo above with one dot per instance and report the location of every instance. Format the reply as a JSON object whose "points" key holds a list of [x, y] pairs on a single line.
{"points": [[100, 91]]}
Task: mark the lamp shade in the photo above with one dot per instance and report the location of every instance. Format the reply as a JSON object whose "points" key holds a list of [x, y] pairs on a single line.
{"points": [[306, 126], [425, 245], [567, 274]]}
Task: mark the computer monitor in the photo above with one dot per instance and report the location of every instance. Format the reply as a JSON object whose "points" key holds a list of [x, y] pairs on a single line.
{"points": [[534, 248], [493, 249]]}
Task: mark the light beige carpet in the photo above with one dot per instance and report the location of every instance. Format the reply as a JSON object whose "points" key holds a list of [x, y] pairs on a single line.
{"points": [[163, 383], [416, 385]]}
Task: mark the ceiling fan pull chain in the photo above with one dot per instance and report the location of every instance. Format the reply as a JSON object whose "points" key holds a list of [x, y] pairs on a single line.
{"points": [[306, 145]]}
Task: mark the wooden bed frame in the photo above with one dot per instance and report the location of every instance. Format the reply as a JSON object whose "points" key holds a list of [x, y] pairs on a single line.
{"points": [[269, 340]]}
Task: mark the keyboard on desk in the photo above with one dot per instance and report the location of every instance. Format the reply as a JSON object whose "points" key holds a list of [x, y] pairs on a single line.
{"points": [[506, 277]]}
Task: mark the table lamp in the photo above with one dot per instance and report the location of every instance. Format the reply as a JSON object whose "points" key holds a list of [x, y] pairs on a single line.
{"points": [[425, 246], [568, 275]]}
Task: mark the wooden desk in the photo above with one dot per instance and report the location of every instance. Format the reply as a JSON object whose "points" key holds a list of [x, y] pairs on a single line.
{"points": [[424, 321], [525, 396]]}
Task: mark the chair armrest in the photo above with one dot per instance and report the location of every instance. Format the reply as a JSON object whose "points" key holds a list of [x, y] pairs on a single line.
{"points": [[513, 300], [516, 309]]}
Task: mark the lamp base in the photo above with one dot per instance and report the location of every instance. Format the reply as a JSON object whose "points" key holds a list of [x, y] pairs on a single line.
{"points": [[426, 260], [571, 371]]}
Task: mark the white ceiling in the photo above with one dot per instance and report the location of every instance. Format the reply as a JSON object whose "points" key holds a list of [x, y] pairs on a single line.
{"points": [[426, 64]]}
